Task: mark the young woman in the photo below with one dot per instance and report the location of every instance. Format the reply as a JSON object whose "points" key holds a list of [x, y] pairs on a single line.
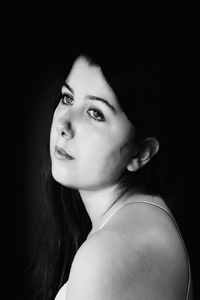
{"points": [[108, 231]]}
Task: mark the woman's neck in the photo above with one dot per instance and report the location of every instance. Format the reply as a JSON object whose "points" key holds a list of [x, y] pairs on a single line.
{"points": [[99, 202]]}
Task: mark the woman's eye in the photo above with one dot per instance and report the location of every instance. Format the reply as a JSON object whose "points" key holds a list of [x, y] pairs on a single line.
{"points": [[97, 115], [67, 99]]}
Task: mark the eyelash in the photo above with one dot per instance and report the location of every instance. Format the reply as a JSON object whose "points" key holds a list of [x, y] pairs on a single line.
{"points": [[66, 96]]}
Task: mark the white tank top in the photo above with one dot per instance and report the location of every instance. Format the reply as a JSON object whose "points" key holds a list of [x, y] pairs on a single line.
{"points": [[62, 292]]}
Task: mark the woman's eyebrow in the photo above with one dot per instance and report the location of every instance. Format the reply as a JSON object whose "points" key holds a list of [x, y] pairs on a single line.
{"points": [[91, 97], [65, 84]]}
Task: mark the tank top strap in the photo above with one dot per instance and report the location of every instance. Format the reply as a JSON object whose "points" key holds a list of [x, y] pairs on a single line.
{"points": [[129, 203]]}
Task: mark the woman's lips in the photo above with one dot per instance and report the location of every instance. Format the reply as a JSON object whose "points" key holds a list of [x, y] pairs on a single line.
{"points": [[60, 153]]}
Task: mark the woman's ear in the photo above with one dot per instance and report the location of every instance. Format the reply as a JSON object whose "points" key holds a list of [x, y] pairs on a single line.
{"points": [[148, 149]]}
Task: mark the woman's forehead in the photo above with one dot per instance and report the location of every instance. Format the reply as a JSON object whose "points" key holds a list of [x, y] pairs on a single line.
{"points": [[89, 77]]}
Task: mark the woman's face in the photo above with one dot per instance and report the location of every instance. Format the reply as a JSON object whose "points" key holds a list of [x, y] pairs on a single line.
{"points": [[90, 126]]}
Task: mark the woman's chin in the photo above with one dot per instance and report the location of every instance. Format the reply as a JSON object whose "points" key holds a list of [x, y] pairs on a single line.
{"points": [[58, 176]]}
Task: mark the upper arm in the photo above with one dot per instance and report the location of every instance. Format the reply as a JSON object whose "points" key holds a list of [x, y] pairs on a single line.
{"points": [[97, 270], [107, 268]]}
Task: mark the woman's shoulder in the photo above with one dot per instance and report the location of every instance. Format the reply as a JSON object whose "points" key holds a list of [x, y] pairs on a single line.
{"points": [[140, 223], [144, 215], [143, 258], [140, 244]]}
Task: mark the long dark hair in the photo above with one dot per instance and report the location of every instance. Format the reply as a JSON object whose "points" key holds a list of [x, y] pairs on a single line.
{"points": [[64, 223]]}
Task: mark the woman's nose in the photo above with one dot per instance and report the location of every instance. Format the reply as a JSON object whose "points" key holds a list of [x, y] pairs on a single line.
{"points": [[64, 128]]}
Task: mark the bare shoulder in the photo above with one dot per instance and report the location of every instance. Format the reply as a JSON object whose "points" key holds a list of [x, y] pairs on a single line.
{"points": [[143, 260]]}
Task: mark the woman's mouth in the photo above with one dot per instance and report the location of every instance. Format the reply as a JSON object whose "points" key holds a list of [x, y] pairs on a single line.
{"points": [[60, 153]]}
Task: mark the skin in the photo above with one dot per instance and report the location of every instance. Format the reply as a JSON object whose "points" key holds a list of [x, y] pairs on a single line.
{"points": [[138, 255]]}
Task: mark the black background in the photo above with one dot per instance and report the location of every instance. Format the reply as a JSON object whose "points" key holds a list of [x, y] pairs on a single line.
{"points": [[36, 56]]}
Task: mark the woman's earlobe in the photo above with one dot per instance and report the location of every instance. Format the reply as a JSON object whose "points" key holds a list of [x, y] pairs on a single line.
{"points": [[148, 150], [133, 165]]}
